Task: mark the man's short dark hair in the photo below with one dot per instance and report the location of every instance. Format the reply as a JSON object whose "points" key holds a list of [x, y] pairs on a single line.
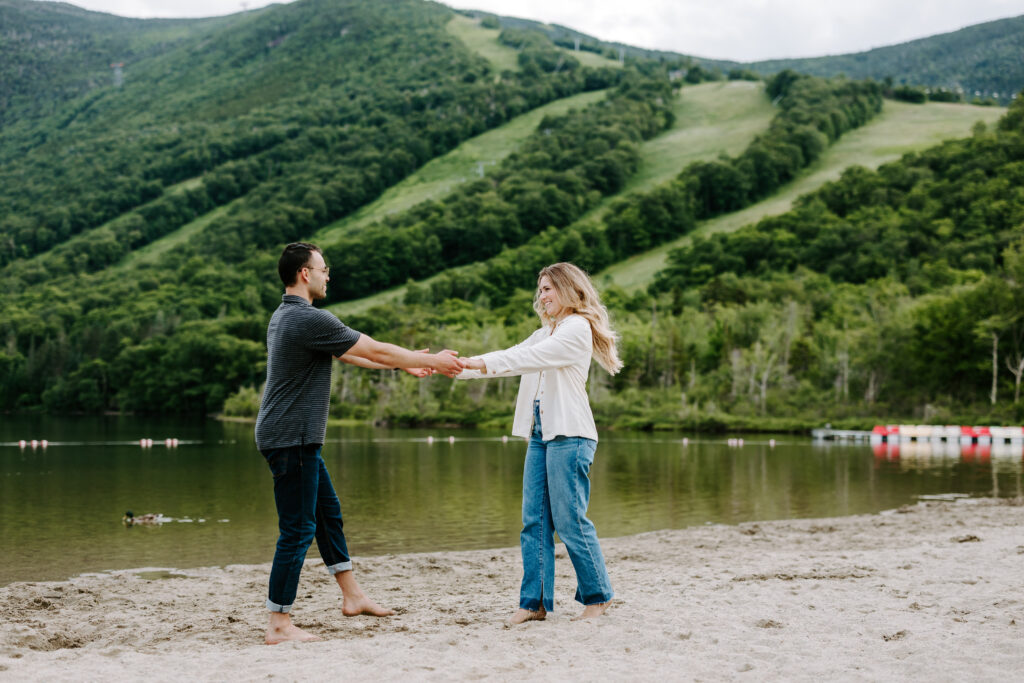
{"points": [[294, 258]]}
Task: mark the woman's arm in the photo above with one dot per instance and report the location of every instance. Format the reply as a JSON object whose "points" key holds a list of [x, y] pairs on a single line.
{"points": [[571, 341], [469, 373], [474, 367]]}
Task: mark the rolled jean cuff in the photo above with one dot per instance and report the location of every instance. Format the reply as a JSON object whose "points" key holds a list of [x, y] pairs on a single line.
{"points": [[597, 599], [339, 568], [274, 607], [532, 604]]}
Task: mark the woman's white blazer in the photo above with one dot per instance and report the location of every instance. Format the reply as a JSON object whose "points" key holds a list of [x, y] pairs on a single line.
{"points": [[563, 357]]}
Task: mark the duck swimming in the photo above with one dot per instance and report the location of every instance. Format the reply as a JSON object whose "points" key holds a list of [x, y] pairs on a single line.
{"points": [[130, 519]]}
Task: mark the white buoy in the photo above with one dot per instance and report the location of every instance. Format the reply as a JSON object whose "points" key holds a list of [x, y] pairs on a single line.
{"points": [[174, 442], [451, 439], [430, 439], [167, 443], [739, 442], [149, 443], [686, 442], [22, 444], [44, 443], [35, 444], [504, 439], [771, 443]]}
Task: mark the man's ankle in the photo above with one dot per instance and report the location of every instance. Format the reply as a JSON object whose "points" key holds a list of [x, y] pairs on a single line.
{"points": [[280, 619]]}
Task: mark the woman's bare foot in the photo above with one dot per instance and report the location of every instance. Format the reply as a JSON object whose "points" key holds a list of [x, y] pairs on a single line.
{"points": [[593, 611], [522, 615], [353, 606], [282, 629]]}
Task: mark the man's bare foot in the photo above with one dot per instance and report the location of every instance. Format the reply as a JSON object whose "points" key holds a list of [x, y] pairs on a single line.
{"points": [[593, 611], [354, 601], [522, 615], [282, 629], [353, 606]]}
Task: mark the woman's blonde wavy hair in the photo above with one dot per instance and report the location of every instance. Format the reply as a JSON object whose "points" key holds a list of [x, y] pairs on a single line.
{"points": [[577, 294]]}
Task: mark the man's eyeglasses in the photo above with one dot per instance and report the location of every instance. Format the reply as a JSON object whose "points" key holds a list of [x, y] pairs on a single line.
{"points": [[327, 270]]}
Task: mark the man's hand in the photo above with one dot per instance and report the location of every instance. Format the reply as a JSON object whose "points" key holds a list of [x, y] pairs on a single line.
{"points": [[447, 362], [420, 372]]}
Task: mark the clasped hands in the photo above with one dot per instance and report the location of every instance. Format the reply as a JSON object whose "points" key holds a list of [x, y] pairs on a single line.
{"points": [[446, 362]]}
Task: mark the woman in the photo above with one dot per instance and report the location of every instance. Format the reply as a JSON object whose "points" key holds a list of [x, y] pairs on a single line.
{"points": [[553, 414]]}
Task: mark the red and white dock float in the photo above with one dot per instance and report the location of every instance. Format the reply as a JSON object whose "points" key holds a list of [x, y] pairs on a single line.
{"points": [[1014, 435], [965, 434], [885, 434]]}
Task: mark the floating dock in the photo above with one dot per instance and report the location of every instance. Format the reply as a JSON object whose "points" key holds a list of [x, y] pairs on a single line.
{"points": [[827, 434], [961, 434]]}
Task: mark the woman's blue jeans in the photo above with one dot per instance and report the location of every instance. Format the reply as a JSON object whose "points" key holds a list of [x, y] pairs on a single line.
{"points": [[307, 508], [556, 493]]}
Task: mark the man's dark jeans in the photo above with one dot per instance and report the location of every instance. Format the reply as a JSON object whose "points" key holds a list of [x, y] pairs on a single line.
{"points": [[307, 508]]}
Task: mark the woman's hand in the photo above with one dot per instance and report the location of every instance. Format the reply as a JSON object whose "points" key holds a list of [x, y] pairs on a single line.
{"points": [[473, 364]]}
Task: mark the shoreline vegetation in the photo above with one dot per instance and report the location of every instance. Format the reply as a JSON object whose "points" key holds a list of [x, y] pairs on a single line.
{"points": [[926, 591], [711, 424], [705, 424]]}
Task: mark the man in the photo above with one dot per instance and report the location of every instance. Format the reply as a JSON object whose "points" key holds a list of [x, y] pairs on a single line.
{"points": [[292, 423]]}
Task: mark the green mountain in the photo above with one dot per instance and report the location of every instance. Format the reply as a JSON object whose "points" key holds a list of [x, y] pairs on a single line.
{"points": [[982, 60], [263, 128], [306, 94], [570, 38], [140, 217], [978, 61], [51, 52]]}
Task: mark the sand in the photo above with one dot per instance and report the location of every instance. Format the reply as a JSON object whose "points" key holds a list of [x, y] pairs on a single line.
{"points": [[928, 592]]}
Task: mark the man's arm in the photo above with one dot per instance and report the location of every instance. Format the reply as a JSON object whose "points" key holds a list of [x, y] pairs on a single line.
{"points": [[370, 365], [392, 356], [362, 362]]}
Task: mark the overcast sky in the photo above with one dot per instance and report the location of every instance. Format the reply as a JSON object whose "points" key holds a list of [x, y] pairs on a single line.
{"points": [[745, 30]]}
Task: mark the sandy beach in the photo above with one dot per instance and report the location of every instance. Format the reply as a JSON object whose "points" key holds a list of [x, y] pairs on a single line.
{"points": [[927, 592]]}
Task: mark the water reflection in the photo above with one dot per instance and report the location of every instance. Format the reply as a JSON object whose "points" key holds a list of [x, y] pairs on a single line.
{"points": [[420, 490], [925, 451]]}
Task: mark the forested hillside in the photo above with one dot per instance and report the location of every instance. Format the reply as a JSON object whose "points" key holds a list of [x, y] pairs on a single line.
{"points": [[141, 221], [53, 52], [978, 61], [570, 39], [887, 295], [813, 113], [981, 61], [317, 94], [282, 121]]}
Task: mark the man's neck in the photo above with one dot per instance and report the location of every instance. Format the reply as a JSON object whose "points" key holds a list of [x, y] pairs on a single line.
{"points": [[302, 292]]}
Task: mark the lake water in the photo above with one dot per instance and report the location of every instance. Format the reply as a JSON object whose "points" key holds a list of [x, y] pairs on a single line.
{"points": [[61, 507]]}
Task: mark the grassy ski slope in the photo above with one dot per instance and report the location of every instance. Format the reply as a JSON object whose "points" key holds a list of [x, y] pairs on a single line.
{"points": [[440, 176], [711, 119], [898, 129]]}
